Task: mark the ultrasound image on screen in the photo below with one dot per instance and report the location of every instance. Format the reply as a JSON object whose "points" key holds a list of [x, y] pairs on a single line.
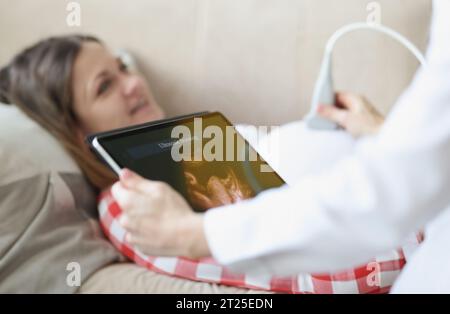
{"points": [[231, 177]]}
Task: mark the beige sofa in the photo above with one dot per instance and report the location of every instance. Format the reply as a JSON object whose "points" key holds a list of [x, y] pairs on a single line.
{"points": [[254, 60]]}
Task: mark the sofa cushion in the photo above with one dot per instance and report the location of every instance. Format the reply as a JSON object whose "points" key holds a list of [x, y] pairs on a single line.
{"points": [[47, 212], [256, 61]]}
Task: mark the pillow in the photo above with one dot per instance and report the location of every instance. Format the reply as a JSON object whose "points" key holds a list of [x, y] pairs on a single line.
{"points": [[313, 149], [47, 212]]}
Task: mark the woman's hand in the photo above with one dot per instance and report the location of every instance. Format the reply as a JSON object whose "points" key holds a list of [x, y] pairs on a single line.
{"points": [[353, 113], [157, 219]]}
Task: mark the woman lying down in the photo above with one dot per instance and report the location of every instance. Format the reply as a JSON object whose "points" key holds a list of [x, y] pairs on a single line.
{"points": [[87, 89]]}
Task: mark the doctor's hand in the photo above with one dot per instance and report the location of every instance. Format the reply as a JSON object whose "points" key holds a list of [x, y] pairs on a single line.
{"points": [[354, 113], [157, 219]]}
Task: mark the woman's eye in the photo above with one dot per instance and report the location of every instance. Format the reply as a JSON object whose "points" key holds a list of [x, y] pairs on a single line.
{"points": [[103, 87]]}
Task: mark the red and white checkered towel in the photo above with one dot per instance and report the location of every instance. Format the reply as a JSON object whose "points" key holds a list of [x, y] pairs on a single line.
{"points": [[376, 276]]}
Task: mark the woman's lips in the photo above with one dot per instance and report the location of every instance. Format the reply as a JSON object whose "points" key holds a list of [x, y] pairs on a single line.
{"points": [[143, 104]]}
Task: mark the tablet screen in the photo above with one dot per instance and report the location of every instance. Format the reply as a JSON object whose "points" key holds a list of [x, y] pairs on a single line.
{"points": [[203, 158]]}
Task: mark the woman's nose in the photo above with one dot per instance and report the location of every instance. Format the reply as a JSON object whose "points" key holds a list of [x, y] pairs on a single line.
{"points": [[130, 85]]}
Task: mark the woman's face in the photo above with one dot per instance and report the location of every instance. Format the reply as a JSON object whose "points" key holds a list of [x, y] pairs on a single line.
{"points": [[107, 95]]}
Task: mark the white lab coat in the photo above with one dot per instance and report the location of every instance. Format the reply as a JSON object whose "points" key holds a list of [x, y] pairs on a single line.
{"points": [[369, 202]]}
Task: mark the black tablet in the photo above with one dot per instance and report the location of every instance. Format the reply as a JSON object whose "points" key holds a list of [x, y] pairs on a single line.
{"points": [[200, 155]]}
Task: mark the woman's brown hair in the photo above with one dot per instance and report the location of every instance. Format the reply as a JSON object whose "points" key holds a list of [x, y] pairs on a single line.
{"points": [[39, 81]]}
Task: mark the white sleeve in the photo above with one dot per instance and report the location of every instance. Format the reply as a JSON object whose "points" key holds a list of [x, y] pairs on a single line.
{"points": [[367, 203]]}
